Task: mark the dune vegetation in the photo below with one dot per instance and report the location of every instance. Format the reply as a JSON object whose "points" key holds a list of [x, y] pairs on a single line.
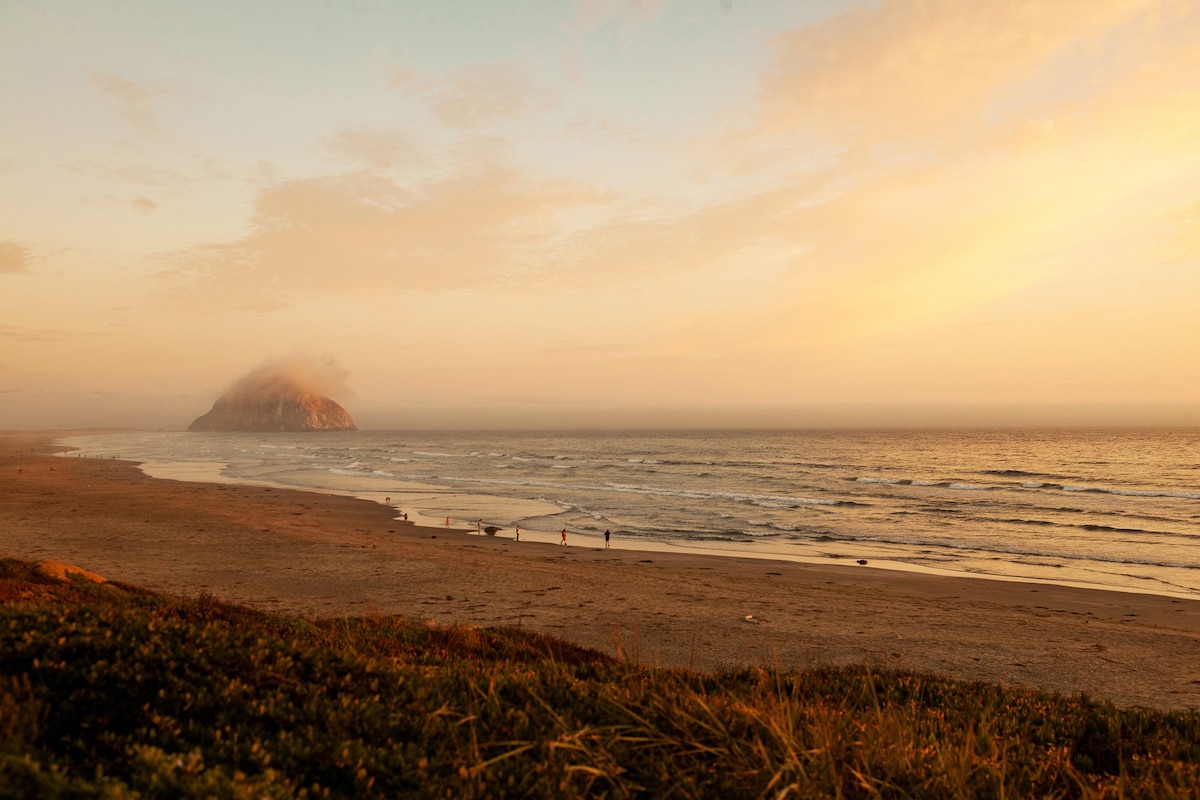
{"points": [[108, 690]]}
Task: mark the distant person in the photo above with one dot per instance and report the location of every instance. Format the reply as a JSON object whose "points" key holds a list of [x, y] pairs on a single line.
{"points": [[606, 535], [564, 536], [447, 522], [479, 525], [518, 533], [406, 516], [387, 500]]}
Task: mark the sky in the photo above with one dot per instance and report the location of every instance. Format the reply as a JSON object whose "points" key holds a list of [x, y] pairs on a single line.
{"points": [[624, 212]]}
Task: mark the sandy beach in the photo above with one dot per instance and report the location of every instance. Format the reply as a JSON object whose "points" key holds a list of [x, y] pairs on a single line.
{"points": [[324, 555]]}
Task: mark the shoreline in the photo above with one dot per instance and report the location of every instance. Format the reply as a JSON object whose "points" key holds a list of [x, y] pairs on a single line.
{"points": [[316, 554], [415, 497], [192, 472]]}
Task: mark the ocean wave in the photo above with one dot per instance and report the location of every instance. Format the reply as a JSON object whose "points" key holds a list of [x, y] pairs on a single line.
{"points": [[1092, 527], [1020, 473], [957, 485], [990, 549], [1032, 485], [779, 501], [1132, 492], [359, 473], [1163, 535]]}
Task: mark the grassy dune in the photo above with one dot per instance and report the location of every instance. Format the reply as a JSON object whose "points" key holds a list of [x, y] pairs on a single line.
{"points": [[108, 690]]}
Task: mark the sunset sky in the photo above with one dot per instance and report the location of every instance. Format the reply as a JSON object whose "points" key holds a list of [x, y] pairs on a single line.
{"points": [[626, 212]]}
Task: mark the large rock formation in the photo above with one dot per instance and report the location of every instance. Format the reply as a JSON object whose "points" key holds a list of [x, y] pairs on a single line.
{"points": [[269, 402]]}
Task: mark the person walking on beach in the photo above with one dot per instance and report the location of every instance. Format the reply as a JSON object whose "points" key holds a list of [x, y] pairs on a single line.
{"points": [[518, 533], [564, 536], [606, 535], [447, 522]]}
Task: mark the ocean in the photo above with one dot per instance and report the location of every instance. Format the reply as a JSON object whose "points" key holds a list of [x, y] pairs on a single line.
{"points": [[1114, 508]]}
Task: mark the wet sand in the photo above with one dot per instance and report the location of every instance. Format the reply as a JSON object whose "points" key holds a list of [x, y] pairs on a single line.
{"points": [[321, 555]]}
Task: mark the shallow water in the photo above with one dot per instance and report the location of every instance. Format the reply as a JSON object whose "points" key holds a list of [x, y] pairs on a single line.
{"points": [[1118, 508]]}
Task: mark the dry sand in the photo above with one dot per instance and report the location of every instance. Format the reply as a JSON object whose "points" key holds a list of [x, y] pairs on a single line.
{"points": [[321, 555]]}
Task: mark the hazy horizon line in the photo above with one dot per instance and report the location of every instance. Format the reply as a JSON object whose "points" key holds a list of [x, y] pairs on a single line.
{"points": [[150, 416]]}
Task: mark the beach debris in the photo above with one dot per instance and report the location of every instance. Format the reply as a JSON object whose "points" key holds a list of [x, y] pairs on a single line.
{"points": [[862, 561], [750, 618], [492, 530]]}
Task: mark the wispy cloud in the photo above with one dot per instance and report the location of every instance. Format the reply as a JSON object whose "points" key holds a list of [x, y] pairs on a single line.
{"points": [[923, 72], [967, 151], [629, 15], [113, 170], [379, 150], [13, 258], [17, 333], [477, 94], [133, 102], [320, 374], [356, 233]]}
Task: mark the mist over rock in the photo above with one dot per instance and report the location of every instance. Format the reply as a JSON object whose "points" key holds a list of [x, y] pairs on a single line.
{"points": [[271, 399]]}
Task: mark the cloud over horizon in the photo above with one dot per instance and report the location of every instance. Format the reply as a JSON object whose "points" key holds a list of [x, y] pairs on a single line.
{"points": [[319, 374]]}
